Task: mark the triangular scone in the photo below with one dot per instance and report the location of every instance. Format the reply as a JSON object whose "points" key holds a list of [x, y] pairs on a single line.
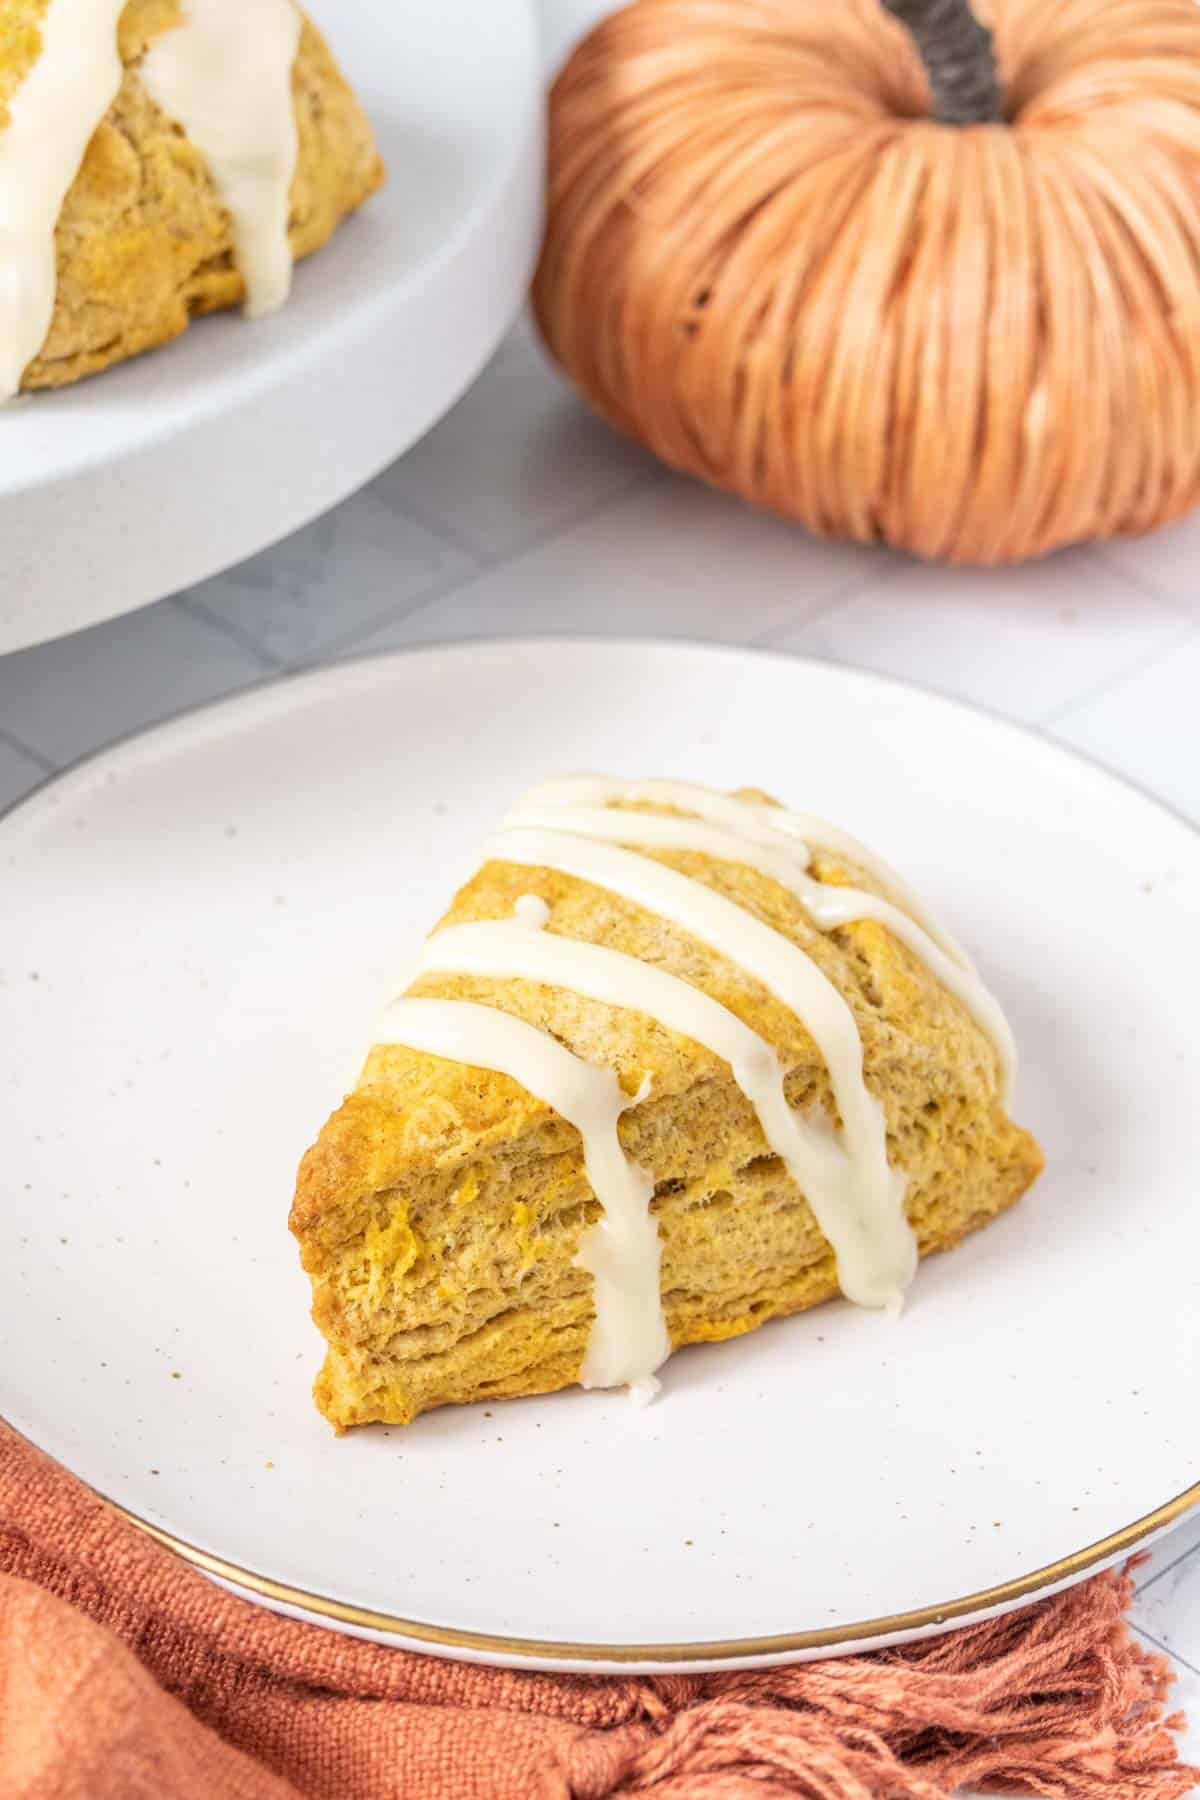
{"points": [[455, 1241], [143, 238]]}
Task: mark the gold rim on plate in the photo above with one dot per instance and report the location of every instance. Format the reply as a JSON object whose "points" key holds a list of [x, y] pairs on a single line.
{"points": [[1006, 1593], [318, 1606]]}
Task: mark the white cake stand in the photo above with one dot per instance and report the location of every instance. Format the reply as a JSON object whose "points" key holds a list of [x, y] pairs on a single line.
{"points": [[158, 473]]}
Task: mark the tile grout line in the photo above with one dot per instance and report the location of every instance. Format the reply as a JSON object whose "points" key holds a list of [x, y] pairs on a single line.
{"points": [[36, 757], [1138, 666], [1136, 580], [195, 609], [841, 596], [424, 515], [448, 535], [332, 649], [1172, 1655], [441, 590], [645, 481], [1192, 1550]]}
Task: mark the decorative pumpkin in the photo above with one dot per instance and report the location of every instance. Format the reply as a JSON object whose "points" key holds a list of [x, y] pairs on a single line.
{"points": [[863, 273]]}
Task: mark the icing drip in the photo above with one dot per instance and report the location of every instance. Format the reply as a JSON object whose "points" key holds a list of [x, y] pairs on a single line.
{"points": [[531, 910], [583, 828], [225, 75], [881, 1252], [621, 1251], [52, 116], [756, 819], [508, 949], [827, 907]]}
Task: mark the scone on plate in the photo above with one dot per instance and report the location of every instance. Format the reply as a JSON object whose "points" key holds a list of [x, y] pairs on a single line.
{"points": [[160, 159], [673, 1064]]}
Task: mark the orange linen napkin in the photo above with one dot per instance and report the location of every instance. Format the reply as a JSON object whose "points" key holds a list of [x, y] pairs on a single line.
{"points": [[124, 1673]]}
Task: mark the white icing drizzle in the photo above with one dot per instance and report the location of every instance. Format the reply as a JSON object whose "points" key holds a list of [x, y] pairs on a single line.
{"points": [[225, 75], [757, 819], [863, 1192], [827, 907], [508, 949], [582, 828], [621, 1251], [532, 910], [52, 116]]}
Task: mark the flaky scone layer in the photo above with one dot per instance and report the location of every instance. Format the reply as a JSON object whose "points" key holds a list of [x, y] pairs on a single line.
{"points": [[441, 1209], [143, 243]]}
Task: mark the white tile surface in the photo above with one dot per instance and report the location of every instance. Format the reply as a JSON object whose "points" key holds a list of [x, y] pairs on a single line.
{"points": [[564, 22], [1167, 562], [1147, 725], [18, 773], [518, 458], [1022, 645], [1167, 1604], [365, 561], [68, 697], [1182, 1540], [672, 561]]}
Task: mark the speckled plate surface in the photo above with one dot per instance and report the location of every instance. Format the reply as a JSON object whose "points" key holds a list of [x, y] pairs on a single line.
{"points": [[199, 925]]}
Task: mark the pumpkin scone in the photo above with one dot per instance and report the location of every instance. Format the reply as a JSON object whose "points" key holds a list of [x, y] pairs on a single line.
{"points": [[674, 1063], [160, 159]]}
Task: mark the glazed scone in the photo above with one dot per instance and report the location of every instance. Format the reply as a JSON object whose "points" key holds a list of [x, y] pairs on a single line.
{"points": [[144, 239], [456, 1241]]}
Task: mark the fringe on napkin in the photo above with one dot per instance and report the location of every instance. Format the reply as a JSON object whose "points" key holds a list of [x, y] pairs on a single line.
{"points": [[125, 1674]]}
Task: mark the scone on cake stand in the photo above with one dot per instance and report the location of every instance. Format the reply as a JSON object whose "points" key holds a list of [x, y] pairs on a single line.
{"points": [[141, 452]]}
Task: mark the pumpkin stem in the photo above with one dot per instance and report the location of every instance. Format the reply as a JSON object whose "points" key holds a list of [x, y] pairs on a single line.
{"points": [[957, 52]]}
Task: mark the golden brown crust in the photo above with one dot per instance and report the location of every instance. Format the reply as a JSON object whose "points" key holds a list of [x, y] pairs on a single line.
{"points": [[143, 242], [440, 1211]]}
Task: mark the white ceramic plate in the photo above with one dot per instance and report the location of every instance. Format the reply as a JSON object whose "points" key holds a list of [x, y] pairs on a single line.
{"points": [[200, 924], [166, 469]]}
